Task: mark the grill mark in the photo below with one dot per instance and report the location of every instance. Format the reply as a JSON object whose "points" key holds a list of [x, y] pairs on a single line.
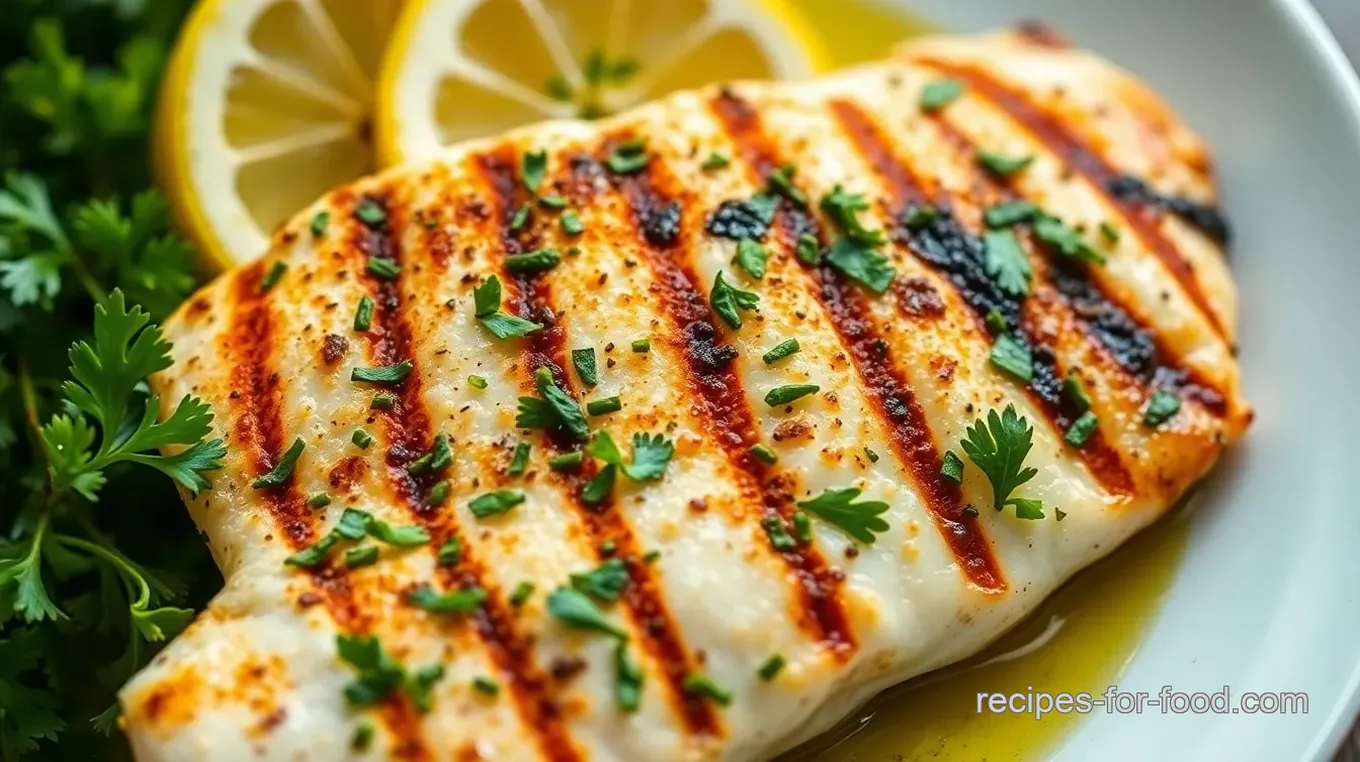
{"points": [[259, 428], [258, 422], [643, 599], [1140, 218], [1132, 346], [892, 397], [408, 432], [951, 250], [720, 403]]}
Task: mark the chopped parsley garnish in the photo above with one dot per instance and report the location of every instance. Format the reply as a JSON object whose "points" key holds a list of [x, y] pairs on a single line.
{"points": [[313, 555], [861, 263], [486, 686], [752, 257], [451, 552], [1067, 241], [584, 362], [282, 470], [438, 493], [382, 401], [271, 278], [778, 533], [919, 216], [362, 439], [519, 462], [604, 406], [320, 221], [366, 555], [571, 223], [940, 93], [771, 667], [1161, 407], [998, 447], [398, 536], [566, 461], [807, 250], [520, 217], [555, 410], [495, 503], [553, 201], [600, 486], [996, 322], [453, 603], [764, 454], [363, 736], [627, 679], [382, 267], [380, 674], [574, 609], [477, 382], [371, 213], [1009, 213], [783, 395], [1025, 508], [318, 500], [1006, 262], [521, 594], [843, 208], [1003, 165], [533, 261], [384, 376], [533, 168], [642, 346], [786, 348], [698, 684], [952, 467], [487, 300], [436, 460], [354, 524], [727, 299], [1109, 232], [604, 583], [802, 526], [1012, 356], [363, 314], [715, 160], [628, 158], [651, 454], [858, 520], [1076, 391], [780, 180], [1081, 429]]}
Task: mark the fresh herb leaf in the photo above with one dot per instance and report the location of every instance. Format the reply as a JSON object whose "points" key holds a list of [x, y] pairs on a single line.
{"points": [[604, 406], [563, 411], [752, 257], [486, 686], [786, 348], [1076, 391], [274, 275], [519, 461], [860, 520], [478, 382], [1006, 262], [382, 267], [571, 223], [575, 610], [783, 395], [567, 461], [628, 158], [487, 304], [584, 362], [1009, 213], [726, 300], [998, 447], [651, 455], [283, 470], [780, 180], [533, 168], [1161, 407], [495, 503], [313, 555], [521, 594], [533, 261], [952, 467], [919, 216], [843, 208], [604, 583], [388, 375], [866, 265], [399, 536], [715, 160], [780, 539], [600, 486], [642, 346], [701, 685], [627, 679], [771, 667], [1081, 429], [363, 314], [454, 603], [1010, 355], [1003, 165], [1067, 241], [807, 250], [362, 556], [764, 454], [940, 93]]}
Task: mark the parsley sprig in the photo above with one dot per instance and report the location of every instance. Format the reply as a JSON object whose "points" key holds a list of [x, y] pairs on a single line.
{"points": [[999, 446]]}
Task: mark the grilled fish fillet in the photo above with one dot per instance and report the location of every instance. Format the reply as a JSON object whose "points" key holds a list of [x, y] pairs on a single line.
{"points": [[722, 582]]}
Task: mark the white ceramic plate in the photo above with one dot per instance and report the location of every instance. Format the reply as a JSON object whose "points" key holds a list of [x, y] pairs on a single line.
{"points": [[1265, 598]]}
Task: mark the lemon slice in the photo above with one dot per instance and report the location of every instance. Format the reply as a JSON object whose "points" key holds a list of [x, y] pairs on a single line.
{"points": [[457, 69], [267, 104]]}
